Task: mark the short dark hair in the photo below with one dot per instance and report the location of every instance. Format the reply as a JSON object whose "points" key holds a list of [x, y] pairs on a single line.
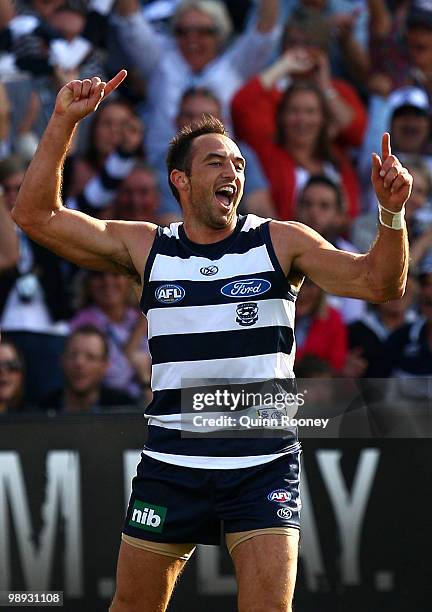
{"points": [[322, 179], [179, 155], [89, 330]]}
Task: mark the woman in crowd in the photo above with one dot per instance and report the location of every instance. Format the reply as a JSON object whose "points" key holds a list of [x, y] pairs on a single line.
{"points": [[106, 305], [11, 378], [303, 131], [114, 123]]}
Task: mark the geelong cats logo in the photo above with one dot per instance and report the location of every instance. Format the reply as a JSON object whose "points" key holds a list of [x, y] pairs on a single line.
{"points": [[247, 314]]}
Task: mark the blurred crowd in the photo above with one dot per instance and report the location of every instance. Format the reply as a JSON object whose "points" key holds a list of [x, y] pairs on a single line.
{"points": [[307, 87]]}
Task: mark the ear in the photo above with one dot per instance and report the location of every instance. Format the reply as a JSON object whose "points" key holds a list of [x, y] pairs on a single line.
{"points": [[180, 180]]}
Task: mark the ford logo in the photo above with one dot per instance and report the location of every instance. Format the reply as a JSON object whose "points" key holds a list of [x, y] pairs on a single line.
{"points": [[169, 294], [250, 287], [209, 270]]}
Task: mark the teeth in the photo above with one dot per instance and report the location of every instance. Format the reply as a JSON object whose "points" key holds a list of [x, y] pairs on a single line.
{"points": [[228, 189]]}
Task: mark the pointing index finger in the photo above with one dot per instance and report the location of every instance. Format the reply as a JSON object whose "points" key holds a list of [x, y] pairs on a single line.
{"points": [[385, 146], [115, 82]]}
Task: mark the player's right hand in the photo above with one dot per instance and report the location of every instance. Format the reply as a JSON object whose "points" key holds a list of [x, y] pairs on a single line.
{"points": [[80, 98]]}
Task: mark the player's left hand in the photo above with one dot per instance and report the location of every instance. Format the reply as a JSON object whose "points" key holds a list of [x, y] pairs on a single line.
{"points": [[391, 181]]}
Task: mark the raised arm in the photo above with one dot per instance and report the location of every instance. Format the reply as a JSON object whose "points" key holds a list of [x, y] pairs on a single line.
{"points": [[138, 39], [377, 276], [101, 245], [268, 13]]}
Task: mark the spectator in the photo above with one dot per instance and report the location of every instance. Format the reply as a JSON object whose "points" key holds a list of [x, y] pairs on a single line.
{"points": [[8, 239], [366, 337], [34, 294], [319, 329], [401, 45], [113, 124], [138, 197], [344, 30], [315, 375], [197, 55], [321, 206], [405, 113], [105, 305], [19, 110], [347, 113], [11, 378], [85, 362], [256, 198], [291, 132], [55, 36], [347, 22], [407, 353]]}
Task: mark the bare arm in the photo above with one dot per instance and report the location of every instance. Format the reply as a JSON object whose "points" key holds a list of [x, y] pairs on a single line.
{"points": [[268, 13], [4, 113], [7, 12], [127, 7], [379, 18], [377, 276], [8, 239], [102, 245], [356, 58]]}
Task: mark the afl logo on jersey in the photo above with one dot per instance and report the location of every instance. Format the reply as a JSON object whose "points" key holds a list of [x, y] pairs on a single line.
{"points": [[250, 287], [247, 314], [209, 270], [169, 294]]}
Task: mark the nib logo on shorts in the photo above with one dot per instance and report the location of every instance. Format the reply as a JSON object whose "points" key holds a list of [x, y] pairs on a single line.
{"points": [[147, 516]]}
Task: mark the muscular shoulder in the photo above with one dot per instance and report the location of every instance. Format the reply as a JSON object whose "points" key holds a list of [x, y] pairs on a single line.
{"points": [[290, 239], [137, 238]]}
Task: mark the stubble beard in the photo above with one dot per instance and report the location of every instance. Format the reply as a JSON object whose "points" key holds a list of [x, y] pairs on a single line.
{"points": [[206, 212]]}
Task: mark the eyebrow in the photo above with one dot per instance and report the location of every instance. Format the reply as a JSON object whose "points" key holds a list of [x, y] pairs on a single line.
{"points": [[221, 156]]}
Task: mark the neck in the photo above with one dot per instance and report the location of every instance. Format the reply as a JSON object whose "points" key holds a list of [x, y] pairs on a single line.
{"points": [[201, 233], [115, 313], [302, 152], [392, 321], [76, 402]]}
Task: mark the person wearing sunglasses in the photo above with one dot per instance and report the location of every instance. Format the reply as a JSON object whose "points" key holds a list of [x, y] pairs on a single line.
{"points": [[11, 378], [197, 53]]}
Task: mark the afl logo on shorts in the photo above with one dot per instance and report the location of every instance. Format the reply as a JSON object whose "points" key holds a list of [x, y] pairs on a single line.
{"points": [[244, 288], [209, 270], [247, 314], [169, 294], [279, 496], [284, 513]]}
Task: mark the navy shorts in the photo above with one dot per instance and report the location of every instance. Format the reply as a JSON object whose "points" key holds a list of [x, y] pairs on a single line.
{"points": [[175, 504]]}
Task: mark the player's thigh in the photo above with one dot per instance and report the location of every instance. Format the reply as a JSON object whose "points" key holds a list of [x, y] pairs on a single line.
{"points": [[145, 580], [266, 569]]}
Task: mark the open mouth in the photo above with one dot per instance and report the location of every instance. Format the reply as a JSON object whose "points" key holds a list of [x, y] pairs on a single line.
{"points": [[225, 195]]}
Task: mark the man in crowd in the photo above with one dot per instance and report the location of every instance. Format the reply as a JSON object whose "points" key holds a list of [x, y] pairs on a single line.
{"points": [[85, 362]]}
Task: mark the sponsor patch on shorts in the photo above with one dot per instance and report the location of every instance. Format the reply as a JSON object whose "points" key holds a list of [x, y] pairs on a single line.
{"points": [[148, 516]]}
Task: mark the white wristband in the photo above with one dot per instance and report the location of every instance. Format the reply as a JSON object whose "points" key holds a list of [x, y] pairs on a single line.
{"points": [[391, 219]]}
